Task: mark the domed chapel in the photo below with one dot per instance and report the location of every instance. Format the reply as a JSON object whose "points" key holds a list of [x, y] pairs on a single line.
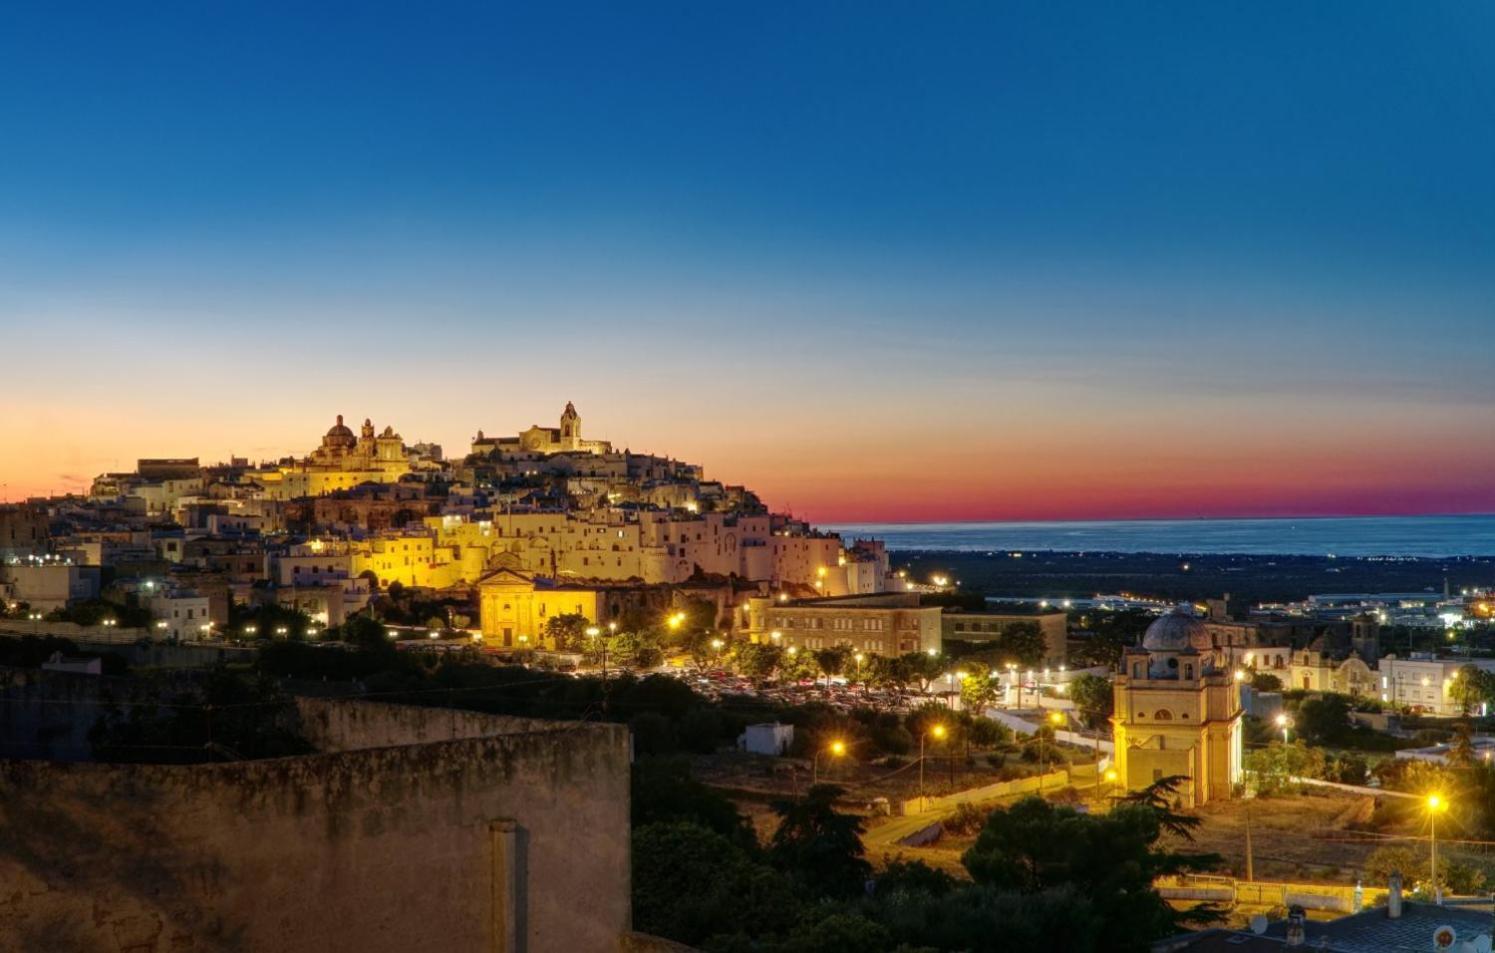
{"points": [[1178, 712]]}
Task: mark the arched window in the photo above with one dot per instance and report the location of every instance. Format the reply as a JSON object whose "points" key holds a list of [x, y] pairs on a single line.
{"points": [[1163, 714]]}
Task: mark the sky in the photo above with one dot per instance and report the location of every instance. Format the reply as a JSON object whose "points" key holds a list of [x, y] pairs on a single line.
{"points": [[877, 261]]}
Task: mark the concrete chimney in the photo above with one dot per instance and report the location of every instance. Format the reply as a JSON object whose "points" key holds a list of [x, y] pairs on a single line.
{"points": [[1295, 927], [1394, 896]]}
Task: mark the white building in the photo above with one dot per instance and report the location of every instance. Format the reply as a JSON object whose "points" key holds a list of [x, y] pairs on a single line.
{"points": [[1422, 681], [181, 615]]}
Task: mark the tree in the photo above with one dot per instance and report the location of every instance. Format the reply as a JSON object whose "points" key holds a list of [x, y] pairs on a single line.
{"points": [[1274, 766], [1094, 697], [923, 667], [1459, 878], [1461, 751], [366, 632], [978, 689], [1266, 682], [1324, 720], [756, 660], [663, 791], [890, 671], [1024, 643], [1113, 858], [1470, 688], [831, 661], [567, 632], [798, 664], [818, 846], [690, 884]]}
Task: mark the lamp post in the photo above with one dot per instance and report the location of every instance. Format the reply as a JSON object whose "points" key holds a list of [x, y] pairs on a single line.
{"points": [[592, 633], [1055, 719], [835, 749], [1285, 723], [938, 731], [1436, 804]]}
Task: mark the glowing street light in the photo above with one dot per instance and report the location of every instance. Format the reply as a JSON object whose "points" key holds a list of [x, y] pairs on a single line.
{"points": [[592, 633], [1436, 804], [937, 732], [835, 749], [1285, 723]]}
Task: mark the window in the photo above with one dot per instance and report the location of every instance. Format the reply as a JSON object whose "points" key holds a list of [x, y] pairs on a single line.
{"points": [[1164, 714]]}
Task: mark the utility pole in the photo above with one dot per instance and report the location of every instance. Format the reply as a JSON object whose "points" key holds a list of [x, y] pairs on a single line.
{"points": [[1250, 871]]}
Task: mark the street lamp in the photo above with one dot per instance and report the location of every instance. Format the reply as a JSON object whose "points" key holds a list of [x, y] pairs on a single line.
{"points": [[1056, 719], [1436, 804], [835, 749], [1284, 723], [1110, 777], [592, 633], [251, 629], [937, 731]]}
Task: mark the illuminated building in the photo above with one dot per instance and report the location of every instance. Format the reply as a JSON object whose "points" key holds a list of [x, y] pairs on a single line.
{"points": [[1177, 712]]}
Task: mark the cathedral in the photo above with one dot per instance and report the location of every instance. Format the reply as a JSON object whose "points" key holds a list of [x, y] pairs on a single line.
{"points": [[1178, 712], [563, 439], [340, 450]]}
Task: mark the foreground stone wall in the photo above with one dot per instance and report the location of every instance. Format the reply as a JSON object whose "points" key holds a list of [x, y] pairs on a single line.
{"points": [[513, 842], [332, 725]]}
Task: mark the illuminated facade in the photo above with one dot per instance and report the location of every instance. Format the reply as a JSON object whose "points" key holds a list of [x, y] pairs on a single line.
{"points": [[1178, 713], [514, 610], [565, 438], [343, 461], [890, 623]]}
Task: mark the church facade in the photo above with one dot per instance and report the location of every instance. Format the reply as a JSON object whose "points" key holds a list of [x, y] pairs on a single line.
{"points": [[565, 438], [1178, 713], [342, 461]]}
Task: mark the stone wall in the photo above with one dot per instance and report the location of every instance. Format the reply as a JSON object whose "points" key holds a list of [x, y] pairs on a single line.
{"points": [[513, 837]]}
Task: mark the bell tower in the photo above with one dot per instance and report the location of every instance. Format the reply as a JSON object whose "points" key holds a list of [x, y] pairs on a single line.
{"points": [[570, 426]]}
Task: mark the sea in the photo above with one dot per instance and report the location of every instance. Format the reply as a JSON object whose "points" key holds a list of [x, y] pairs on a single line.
{"points": [[1349, 536]]}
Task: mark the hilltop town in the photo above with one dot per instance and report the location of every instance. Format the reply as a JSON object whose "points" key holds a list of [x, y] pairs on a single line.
{"points": [[513, 533]]}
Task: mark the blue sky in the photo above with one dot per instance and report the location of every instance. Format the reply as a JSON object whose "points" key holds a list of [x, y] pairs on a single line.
{"points": [[1273, 220]]}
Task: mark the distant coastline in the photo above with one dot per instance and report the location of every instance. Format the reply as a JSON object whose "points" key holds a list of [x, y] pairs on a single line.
{"points": [[1338, 536]]}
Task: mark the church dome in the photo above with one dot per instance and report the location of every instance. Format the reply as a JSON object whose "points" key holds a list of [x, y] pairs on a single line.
{"points": [[1178, 631], [339, 435]]}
